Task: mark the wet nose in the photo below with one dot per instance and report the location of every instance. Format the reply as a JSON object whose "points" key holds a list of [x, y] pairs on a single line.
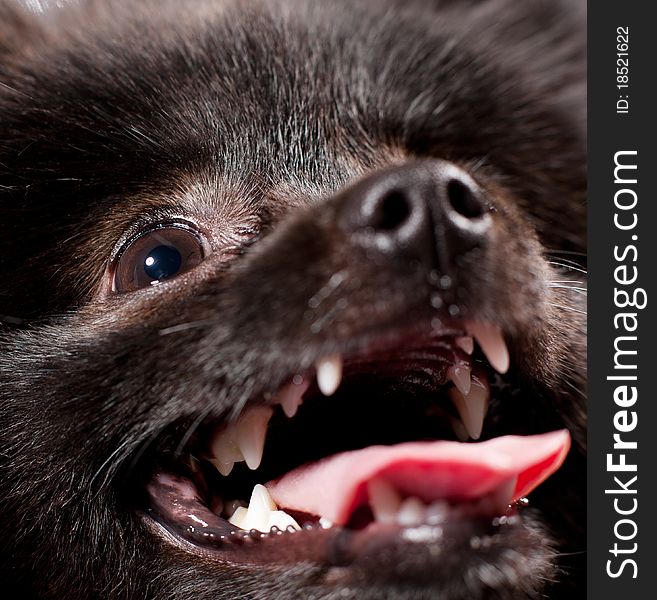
{"points": [[431, 212]]}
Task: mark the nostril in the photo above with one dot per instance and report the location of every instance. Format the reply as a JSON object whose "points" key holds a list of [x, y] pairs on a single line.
{"points": [[464, 200], [419, 215], [391, 212]]}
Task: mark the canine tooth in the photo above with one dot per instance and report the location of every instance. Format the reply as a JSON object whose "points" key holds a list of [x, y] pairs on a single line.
{"points": [[225, 450], [224, 468], [384, 500], [460, 375], [473, 407], [290, 397], [411, 511], [256, 516], [260, 497], [251, 430], [491, 341], [242, 440], [325, 523], [459, 429], [465, 343], [262, 513], [329, 373]]}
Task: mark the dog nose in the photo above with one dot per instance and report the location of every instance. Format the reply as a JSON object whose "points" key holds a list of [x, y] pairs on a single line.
{"points": [[432, 212]]}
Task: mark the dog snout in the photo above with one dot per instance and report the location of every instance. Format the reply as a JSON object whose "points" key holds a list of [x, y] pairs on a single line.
{"points": [[430, 212]]}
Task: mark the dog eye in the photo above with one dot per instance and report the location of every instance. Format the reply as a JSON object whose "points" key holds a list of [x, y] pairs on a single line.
{"points": [[157, 255]]}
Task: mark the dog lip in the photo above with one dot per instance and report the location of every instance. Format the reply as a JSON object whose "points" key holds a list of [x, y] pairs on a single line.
{"points": [[179, 512], [178, 515]]}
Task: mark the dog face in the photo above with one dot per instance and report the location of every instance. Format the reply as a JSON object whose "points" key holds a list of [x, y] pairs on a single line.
{"points": [[364, 215]]}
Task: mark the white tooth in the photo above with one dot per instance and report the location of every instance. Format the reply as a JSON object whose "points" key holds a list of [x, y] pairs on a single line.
{"points": [[411, 511], [260, 507], [291, 396], [465, 343], [460, 375], [437, 512], [325, 523], [491, 341], [473, 407], [384, 500], [251, 430], [257, 516], [224, 468], [329, 373], [459, 429], [280, 519], [225, 450], [242, 440], [262, 513], [260, 497], [239, 517]]}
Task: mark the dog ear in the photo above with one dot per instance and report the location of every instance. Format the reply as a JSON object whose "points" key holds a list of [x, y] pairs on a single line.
{"points": [[19, 28]]}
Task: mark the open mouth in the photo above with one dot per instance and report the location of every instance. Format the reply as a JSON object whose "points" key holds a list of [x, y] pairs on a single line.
{"points": [[366, 451]]}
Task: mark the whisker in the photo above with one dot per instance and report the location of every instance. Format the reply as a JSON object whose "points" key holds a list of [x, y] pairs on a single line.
{"points": [[142, 449], [581, 290], [184, 326], [107, 461], [567, 261], [191, 429], [577, 553], [565, 266], [574, 387], [570, 308], [571, 252]]}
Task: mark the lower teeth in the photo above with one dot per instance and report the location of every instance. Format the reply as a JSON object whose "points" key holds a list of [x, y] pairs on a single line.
{"points": [[387, 506], [262, 513]]}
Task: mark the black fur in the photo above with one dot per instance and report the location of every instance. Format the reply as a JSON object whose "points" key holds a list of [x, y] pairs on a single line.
{"points": [[250, 118]]}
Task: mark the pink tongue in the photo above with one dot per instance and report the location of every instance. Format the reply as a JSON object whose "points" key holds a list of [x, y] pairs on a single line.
{"points": [[335, 486]]}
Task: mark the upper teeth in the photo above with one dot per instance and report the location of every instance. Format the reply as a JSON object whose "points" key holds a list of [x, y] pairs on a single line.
{"points": [[329, 373], [291, 396], [262, 513], [460, 375], [243, 440], [225, 451], [459, 429], [465, 343], [473, 406], [490, 339]]}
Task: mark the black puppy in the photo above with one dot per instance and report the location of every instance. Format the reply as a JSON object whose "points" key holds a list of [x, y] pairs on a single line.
{"points": [[318, 227]]}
